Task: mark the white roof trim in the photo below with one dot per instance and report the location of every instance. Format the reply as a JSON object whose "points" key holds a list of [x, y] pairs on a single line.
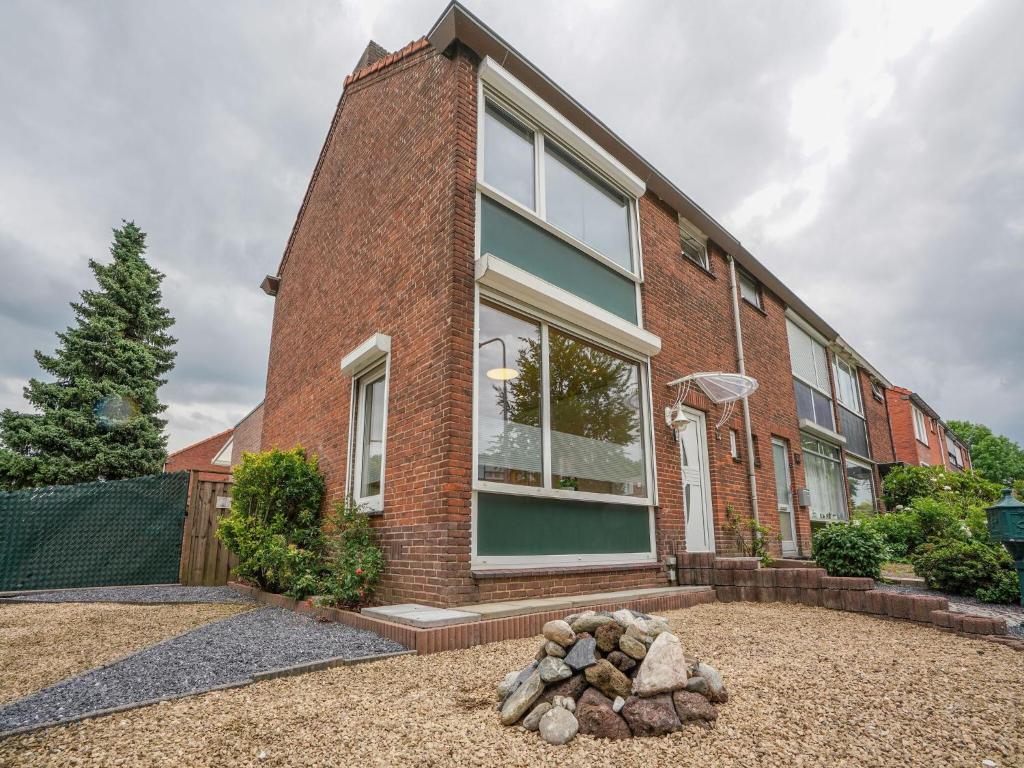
{"points": [[509, 279], [220, 459], [367, 353], [504, 83]]}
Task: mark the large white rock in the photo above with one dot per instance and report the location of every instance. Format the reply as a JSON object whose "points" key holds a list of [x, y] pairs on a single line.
{"points": [[558, 726], [664, 668]]}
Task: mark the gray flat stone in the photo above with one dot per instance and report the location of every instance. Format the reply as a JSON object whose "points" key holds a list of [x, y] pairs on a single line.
{"points": [[416, 615]]}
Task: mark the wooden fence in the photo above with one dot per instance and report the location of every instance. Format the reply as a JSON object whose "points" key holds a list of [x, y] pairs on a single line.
{"points": [[204, 560]]}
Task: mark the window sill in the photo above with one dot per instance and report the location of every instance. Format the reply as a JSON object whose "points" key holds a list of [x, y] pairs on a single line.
{"points": [[806, 425], [481, 572], [706, 270], [533, 491], [754, 306]]}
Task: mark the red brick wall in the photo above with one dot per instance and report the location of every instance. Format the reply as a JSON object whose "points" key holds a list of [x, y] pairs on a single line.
{"points": [[691, 310], [384, 244], [877, 414], [198, 456], [248, 435]]}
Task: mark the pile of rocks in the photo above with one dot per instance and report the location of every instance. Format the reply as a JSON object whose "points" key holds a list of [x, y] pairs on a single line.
{"points": [[612, 676]]}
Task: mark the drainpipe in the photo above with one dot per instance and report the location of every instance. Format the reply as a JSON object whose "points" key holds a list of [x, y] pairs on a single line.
{"points": [[740, 363]]}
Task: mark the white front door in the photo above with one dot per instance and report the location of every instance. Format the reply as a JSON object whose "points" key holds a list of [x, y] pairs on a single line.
{"points": [[693, 456], [784, 495]]}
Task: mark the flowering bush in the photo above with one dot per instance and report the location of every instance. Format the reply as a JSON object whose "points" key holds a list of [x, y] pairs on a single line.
{"points": [[354, 561], [849, 549], [972, 568]]}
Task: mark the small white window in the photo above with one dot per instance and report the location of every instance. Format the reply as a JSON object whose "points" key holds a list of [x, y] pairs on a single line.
{"points": [[223, 457], [734, 449], [847, 389], [694, 243], [877, 390], [370, 429], [750, 290], [919, 429]]}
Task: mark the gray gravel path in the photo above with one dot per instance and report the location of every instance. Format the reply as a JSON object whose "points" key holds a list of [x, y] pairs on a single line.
{"points": [[221, 653], [161, 593], [1014, 614]]}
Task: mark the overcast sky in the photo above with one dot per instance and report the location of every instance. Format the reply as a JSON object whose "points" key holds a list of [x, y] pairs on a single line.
{"points": [[870, 154]]}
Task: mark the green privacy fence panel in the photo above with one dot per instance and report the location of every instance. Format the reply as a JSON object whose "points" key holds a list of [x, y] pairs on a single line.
{"points": [[523, 525], [511, 237], [93, 534]]}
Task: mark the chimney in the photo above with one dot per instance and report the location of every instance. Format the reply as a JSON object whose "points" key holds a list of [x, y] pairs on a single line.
{"points": [[374, 52]]}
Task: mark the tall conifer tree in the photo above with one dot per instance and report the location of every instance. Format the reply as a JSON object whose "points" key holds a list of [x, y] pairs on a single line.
{"points": [[99, 417]]}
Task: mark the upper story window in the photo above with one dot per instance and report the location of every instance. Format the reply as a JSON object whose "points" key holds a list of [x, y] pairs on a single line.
{"points": [[955, 455], [530, 168], [847, 388], [877, 390], [750, 290], [810, 373], [508, 156], [919, 429], [694, 244]]}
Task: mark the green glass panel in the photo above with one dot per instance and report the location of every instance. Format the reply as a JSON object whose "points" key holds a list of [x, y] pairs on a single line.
{"points": [[509, 236], [526, 526]]}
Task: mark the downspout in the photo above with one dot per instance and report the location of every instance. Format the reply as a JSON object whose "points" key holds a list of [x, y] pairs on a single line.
{"points": [[741, 365]]}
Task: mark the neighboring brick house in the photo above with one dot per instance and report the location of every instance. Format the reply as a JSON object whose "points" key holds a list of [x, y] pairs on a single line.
{"points": [[210, 457], [215, 456], [482, 303], [920, 436]]}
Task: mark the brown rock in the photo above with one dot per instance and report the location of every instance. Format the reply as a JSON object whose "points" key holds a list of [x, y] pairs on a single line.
{"points": [[597, 718], [573, 688], [652, 716], [632, 647], [692, 707], [608, 680], [607, 637], [622, 662]]}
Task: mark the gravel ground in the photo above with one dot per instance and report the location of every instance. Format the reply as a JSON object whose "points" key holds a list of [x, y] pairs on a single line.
{"points": [[163, 593], [41, 644], [1014, 614], [808, 687], [219, 653]]}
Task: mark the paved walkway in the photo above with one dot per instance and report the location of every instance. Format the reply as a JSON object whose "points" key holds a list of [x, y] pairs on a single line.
{"points": [[223, 653]]}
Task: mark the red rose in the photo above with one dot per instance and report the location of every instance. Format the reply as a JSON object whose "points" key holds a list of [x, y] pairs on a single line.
{"points": [[359, 571]]}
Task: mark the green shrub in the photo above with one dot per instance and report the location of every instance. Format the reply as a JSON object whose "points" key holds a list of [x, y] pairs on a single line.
{"points": [[937, 520], [899, 530], [274, 524], [750, 536], [964, 567], [1005, 589], [849, 549], [904, 484], [354, 561], [963, 490]]}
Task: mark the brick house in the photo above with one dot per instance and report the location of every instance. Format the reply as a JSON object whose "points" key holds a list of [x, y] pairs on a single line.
{"points": [[210, 457], [484, 298], [920, 437]]}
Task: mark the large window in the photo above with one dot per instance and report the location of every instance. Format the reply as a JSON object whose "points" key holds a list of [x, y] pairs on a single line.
{"points": [[556, 411], [956, 459], [810, 370], [368, 466], [824, 476], [919, 429], [855, 430], [572, 198], [861, 484]]}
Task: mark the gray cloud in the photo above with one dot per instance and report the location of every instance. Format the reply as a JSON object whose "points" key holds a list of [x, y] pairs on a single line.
{"points": [[202, 122]]}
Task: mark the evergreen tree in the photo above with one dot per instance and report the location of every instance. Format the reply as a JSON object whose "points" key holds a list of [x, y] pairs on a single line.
{"points": [[98, 419]]}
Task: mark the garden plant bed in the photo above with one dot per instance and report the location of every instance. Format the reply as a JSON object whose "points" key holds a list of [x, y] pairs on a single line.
{"points": [[807, 686], [41, 644]]}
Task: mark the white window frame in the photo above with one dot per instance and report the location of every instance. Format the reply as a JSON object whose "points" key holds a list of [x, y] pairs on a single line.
{"points": [[546, 490], [512, 104], [841, 367], [838, 461], [920, 431], [857, 461], [877, 390], [362, 364], [757, 301], [690, 234], [734, 450], [813, 339]]}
